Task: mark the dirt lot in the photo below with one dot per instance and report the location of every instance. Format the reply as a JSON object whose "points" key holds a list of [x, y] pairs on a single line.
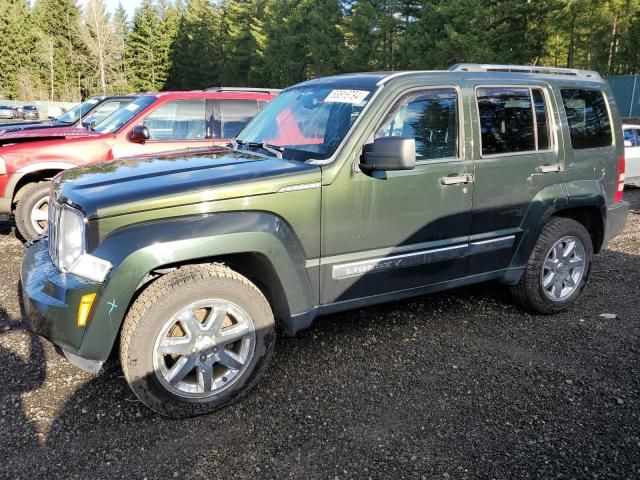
{"points": [[456, 385]]}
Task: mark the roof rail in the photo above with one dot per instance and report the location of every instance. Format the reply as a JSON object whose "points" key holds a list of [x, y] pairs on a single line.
{"points": [[485, 67], [273, 91]]}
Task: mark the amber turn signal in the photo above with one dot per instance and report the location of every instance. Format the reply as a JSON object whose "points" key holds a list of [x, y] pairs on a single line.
{"points": [[86, 302]]}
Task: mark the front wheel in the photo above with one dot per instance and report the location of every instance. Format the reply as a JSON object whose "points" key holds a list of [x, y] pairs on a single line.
{"points": [[558, 267], [32, 211], [195, 340]]}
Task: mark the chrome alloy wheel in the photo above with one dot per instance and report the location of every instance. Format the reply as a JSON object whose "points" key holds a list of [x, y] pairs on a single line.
{"points": [[40, 215], [204, 348], [563, 268]]}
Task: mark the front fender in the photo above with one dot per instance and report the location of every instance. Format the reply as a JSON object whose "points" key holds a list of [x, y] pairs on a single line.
{"points": [[137, 250]]}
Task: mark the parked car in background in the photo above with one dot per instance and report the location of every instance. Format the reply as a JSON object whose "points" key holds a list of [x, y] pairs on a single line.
{"points": [[151, 123], [92, 110], [30, 112], [632, 154], [343, 192], [7, 111]]}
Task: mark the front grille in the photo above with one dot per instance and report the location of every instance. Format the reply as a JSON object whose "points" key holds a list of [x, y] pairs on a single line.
{"points": [[55, 210]]}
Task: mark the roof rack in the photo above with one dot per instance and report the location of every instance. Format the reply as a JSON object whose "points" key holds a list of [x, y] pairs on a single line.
{"points": [[273, 91], [484, 67]]}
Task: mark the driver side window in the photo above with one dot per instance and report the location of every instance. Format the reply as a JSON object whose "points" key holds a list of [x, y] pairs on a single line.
{"points": [[431, 117]]}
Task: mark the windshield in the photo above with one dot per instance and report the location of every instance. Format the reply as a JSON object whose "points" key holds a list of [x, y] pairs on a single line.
{"points": [[73, 115], [120, 118], [307, 122]]}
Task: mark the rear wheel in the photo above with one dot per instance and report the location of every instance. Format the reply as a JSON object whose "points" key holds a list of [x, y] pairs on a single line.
{"points": [[32, 211], [195, 340], [558, 267]]}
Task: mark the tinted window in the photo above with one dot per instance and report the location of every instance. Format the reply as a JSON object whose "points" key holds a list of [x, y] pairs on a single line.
{"points": [[431, 117], [179, 120], [542, 120], [235, 115], [507, 120], [589, 123], [630, 137]]}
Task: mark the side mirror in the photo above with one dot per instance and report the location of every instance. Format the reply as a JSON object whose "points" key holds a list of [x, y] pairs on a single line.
{"points": [[89, 123], [389, 153], [627, 143], [139, 134]]}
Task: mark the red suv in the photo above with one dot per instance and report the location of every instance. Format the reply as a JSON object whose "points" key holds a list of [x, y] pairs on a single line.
{"points": [[151, 123]]}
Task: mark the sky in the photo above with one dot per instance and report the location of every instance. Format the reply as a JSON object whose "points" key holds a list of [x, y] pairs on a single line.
{"points": [[129, 5]]}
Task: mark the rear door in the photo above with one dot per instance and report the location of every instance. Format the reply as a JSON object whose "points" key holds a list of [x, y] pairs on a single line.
{"points": [[230, 117], [518, 165]]}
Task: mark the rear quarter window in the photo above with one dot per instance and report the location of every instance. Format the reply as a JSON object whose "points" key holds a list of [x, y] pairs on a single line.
{"points": [[588, 118]]}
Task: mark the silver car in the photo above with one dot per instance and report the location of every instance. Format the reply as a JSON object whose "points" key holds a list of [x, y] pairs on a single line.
{"points": [[7, 111]]}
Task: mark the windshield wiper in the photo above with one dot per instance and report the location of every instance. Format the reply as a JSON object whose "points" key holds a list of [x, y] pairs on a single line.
{"points": [[275, 150]]}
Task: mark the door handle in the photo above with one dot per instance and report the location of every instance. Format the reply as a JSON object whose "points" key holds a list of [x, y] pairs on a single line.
{"points": [[457, 179], [549, 169]]}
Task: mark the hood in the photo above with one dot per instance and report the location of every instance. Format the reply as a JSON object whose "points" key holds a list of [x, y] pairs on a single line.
{"points": [[53, 133], [29, 125], [133, 185]]}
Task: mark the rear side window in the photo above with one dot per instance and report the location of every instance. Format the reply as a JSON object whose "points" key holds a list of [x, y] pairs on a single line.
{"points": [[588, 117], [513, 119], [235, 115]]}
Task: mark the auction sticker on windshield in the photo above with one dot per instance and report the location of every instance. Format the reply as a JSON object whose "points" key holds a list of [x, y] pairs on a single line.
{"points": [[347, 96], [132, 107]]}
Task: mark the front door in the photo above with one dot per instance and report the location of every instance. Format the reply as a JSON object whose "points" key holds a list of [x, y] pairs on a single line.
{"points": [[400, 231], [174, 125]]}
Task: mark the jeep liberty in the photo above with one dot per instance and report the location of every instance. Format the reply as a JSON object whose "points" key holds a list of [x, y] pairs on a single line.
{"points": [[343, 192]]}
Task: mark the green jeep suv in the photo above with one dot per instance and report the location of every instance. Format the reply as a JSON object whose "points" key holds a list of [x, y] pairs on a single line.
{"points": [[343, 192]]}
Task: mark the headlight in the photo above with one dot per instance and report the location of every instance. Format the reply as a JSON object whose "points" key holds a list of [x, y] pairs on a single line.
{"points": [[3, 166], [69, 235]]}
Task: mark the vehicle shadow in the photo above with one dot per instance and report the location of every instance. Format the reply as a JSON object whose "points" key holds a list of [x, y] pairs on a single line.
{"points": [[6, 228]]}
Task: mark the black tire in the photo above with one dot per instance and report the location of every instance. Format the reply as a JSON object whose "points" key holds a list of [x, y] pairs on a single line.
{"points": [[165, 297], [529, 292], [29, 197]]}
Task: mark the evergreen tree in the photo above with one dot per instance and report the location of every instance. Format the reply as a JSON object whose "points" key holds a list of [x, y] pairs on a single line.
{"points": [[196, 53], [121, 31], [244, 41], [62, 49], [16, 49], [144, 62], [284, 61]]}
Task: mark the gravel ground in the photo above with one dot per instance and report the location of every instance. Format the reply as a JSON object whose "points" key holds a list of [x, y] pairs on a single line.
{"points": [[459, 385]]}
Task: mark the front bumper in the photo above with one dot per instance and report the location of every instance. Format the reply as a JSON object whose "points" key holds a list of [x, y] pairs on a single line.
{"points": [[51, 300], [615, 221]]}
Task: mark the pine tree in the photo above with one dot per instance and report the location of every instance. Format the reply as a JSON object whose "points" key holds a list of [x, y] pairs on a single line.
{"points": [[62, 50], [17, 48], [196, 53], [144, 63], [244, 41], [284, 60], [121, 31]]}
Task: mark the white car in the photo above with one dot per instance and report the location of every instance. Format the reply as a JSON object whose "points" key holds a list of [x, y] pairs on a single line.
{"points": [[632, 154]]}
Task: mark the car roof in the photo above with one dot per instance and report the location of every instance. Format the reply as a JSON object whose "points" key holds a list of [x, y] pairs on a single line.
{"points": [[462, 71], [230, 95]]}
